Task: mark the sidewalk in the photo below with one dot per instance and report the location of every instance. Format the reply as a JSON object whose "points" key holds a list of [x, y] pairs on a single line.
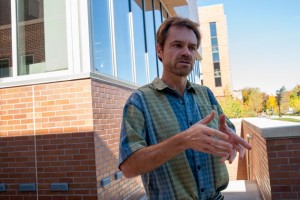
{"points": [[245, 190]]}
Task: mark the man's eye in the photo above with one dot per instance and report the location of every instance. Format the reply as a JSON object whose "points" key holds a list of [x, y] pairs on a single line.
{"points": [[178, 45], [192, 48]]}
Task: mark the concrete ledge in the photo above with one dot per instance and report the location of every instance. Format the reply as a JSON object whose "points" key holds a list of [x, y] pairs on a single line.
{"points": [[268, 128]]}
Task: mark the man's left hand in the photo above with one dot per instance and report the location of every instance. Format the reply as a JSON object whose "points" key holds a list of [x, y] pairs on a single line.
{"points": [[238, 143]]}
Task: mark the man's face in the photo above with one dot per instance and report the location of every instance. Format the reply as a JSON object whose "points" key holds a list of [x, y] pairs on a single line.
{"points": [[179, 52]]}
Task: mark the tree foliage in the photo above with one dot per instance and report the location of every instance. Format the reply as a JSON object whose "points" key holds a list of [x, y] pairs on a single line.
{"points": [[232, 108]]}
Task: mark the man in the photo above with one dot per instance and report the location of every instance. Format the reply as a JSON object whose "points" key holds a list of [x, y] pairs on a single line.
{"points": [[173, 132]]}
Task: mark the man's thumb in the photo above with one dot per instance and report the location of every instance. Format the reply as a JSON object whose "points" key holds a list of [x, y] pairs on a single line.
{"points": [[206, 120]]}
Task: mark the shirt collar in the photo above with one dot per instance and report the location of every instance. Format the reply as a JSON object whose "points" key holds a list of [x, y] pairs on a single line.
{"points": [[161, 85]]}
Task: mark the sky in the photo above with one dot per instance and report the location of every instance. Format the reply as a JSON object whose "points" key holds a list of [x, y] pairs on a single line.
{"points": [[264, 42]]}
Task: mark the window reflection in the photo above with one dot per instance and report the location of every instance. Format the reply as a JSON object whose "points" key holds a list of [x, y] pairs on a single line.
{"points": [[42, 40], [150, 31], [102, 52], [122, 40], [158, 21], [5, 39], [139, 41]]}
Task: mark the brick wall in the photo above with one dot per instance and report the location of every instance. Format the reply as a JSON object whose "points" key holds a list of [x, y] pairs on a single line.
{"points": [[275, 164], [63, 132], [284, 167], [258, 161], [108, 102], [238, 169]]}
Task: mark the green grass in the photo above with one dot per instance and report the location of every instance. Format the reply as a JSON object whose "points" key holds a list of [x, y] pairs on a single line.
{"points": [[287, 119]]}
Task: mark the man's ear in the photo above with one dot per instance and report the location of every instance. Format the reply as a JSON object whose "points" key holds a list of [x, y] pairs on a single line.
{"points": [[159, 51]]}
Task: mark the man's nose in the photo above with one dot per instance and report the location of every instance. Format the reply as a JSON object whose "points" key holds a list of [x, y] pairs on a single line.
{"points": [[185, 52]]}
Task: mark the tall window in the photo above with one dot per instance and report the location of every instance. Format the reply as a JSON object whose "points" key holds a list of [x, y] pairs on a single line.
{"points": [[215, 54], [5, 39], [137, 7], [151, 39], [158, 20], [102, 52], [42, 33], [122, 40]]}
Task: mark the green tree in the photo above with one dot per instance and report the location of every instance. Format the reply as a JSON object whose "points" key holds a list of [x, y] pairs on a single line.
{"points": [[295, 99], [253, 99], [232, 108]]}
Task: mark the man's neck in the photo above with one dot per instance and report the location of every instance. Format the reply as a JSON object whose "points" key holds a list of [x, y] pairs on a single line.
{"points": [[177, 83]]}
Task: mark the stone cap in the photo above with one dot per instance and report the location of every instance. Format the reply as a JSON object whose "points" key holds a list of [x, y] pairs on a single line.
{"points": [[269, 129]]}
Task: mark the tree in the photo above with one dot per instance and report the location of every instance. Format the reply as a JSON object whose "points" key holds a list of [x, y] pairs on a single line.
{"points": [[278, 98], [232, 108], [295, 99], [271, 103], [256, 99]]}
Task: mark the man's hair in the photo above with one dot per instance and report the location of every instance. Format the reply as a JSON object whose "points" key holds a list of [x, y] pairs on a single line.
{"points": [[162, 32]]}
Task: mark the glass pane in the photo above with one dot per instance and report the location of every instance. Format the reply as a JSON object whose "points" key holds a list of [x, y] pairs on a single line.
{"points": [[5, 39], [158, 21], [139, 41], [122, 39], [42, 39], [214, 42], [213, 29], [216, 57], [102, 50], [216, 66], [218, 82], [150, 31]]}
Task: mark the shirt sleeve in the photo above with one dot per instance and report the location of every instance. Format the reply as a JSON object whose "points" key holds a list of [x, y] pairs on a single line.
{"points": [[132, 137]]}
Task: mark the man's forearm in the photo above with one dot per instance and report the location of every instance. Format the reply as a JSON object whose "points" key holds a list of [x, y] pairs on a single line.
{"points": [[147, 159]]}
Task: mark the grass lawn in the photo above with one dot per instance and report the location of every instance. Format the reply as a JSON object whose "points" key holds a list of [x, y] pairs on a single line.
{"points": [[287, 119]]}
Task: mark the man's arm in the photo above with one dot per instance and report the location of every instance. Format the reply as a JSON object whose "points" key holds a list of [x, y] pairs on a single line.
{"points": [[198, 137]]}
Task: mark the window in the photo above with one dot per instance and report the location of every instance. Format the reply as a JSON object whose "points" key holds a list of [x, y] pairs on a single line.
{"points": [[151, 40], [122, 40], [216, 57], [139, 41], [158, 20], [213, 29], [42, 33], [5, 70], [218, 82], [5, 39], [102, 48]]}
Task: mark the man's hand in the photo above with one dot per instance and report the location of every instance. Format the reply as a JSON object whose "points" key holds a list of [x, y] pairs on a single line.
{"points": [[205, 139], [238, 143]]}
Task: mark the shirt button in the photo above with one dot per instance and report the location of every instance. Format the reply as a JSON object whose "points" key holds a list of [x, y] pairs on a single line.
{"points": [[191, 123], [202, 189], [198, 167]]}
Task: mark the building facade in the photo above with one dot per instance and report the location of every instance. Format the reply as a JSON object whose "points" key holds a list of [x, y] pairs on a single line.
{"points": [[215, 66], [66, 70]]}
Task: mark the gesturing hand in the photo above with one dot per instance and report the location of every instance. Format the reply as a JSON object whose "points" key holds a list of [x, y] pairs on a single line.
{"points": [[205, 139], [238, 143]]}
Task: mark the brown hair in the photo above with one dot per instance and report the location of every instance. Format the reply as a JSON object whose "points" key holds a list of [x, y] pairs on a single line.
{"points": [[162, 32]]}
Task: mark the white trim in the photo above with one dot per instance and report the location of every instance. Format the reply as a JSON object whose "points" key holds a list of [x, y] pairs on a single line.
{"points": [[147, 67], [112, 37], [14, 36], [131, 34], [69, 35], [75, 37], [84, 31]]}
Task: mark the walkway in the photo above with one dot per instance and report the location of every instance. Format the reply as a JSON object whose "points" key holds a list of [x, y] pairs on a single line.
{"points": [[242, 190]]}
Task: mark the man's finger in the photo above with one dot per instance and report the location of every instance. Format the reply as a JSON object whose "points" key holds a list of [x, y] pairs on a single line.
{"points": [[206, 120]]}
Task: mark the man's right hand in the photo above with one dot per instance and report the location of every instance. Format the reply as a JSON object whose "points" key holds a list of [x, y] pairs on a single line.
{"points": [[200, 137]]}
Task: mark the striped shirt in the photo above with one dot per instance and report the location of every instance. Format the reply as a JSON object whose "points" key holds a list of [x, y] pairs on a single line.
{"points": [[156, 112]]}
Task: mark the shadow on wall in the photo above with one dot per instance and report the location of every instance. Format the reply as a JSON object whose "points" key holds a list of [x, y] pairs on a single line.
{"points": [[30, 165]]}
